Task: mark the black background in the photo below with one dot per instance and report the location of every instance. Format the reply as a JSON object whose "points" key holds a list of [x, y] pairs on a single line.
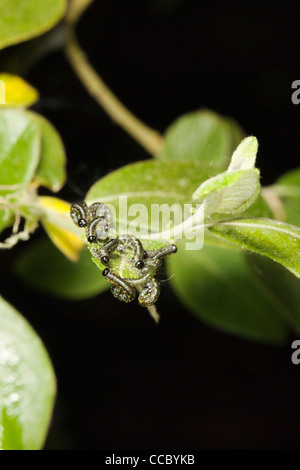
{"points": [[123, 382]]}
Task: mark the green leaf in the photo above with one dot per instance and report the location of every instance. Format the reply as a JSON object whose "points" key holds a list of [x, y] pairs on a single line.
{"points": [[281, 285], [202, 136], [245, 155], [276, 240], [237, 188], [21, 20], [51, 171], [19, 149], [149, 183], [229, 193], [6, 219], [290, 182], [259, 208], [43, 267], [27, 383], [216, 285], [287, 187], [164, 181]]}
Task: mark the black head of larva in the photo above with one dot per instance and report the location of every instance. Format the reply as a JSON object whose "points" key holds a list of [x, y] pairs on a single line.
{"points": [[139, 264], [92, 239], [174, 248], [82, 222], [105, 272], [104, 259]]}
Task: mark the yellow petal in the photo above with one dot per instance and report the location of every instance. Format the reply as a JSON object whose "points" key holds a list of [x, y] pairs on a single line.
{"points": [[56, 204], [65, 240], [14, 91]]}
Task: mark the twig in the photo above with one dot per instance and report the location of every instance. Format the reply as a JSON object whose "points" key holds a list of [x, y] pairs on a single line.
{"points": [[148, 138]]}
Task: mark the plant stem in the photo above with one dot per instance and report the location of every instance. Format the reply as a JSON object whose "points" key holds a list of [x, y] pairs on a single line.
{"points": [[148, 138]]}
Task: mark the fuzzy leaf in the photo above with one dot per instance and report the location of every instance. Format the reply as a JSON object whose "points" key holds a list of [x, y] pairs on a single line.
{"points": [[6, 219], [245, 155], [217, 286], [282, 286], [202, 136], [237, 188], [276, 240], [27, 383], [229, 193], [51, 171], [147, 185], [19, 149]]}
